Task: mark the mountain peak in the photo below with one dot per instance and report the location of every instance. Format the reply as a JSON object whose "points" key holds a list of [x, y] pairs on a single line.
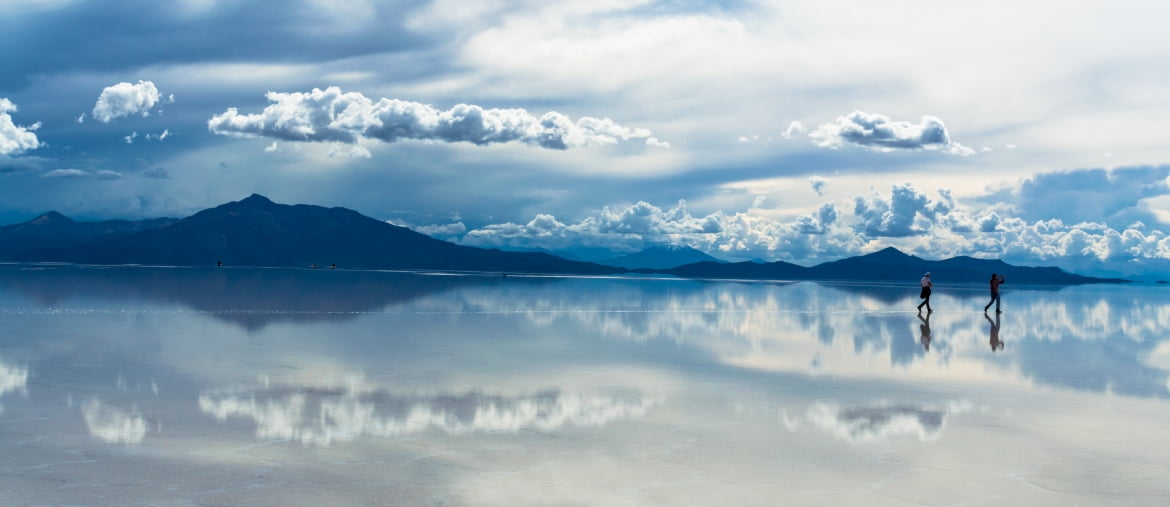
{"points": [[256, 200], [51, 217], [888, 252]]}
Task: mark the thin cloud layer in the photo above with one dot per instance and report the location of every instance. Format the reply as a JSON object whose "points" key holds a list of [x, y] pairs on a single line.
{"points": [[880, 133], [331, 115], [15, 139], [125, 99]]}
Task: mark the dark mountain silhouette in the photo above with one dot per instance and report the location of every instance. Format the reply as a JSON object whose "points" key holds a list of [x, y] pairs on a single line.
{"points": [[887, 264], [892, 264], [258, 232], [251, 298], [661, 257], [740, 270], [30, 240]]}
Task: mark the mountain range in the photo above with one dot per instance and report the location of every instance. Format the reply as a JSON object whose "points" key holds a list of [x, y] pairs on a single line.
{"points": [[258, 232]]}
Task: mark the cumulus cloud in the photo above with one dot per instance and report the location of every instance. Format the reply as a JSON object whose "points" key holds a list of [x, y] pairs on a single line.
{"points": [[907, 212], [640, 225], [930, 226], [331, 115], [125, 99], [15, 139], [880, 133]]}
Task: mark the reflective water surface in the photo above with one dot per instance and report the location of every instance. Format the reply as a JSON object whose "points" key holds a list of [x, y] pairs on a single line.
{"points": [[312, 387]]}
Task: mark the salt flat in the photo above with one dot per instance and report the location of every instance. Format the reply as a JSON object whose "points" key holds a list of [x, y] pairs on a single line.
{"points": [[308, 387]]}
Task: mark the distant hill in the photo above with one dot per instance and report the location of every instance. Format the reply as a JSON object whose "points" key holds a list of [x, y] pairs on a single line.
{"points": [[258, 232], [39, 237], [887, 264], [661, 257], [892, 264]]}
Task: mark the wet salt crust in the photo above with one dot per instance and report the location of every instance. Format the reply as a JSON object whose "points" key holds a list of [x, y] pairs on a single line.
{"points": [[298, 387]]}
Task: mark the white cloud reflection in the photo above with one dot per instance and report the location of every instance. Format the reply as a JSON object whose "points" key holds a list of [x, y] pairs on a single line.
{"points": [[113, 425], [320, 416], [874, 423], [12, 379]]}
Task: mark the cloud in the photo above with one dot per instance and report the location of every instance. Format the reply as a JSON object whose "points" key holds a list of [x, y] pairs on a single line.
{"points": [[907, 212], [633, 227], [879, 133], [15, 139], [106, 174], [125, 99], [323, 416], [12, 379], [819, 223], [865, 424], [113, 425], [1090, 195], [818, 184], [65, 173], [330, 115], [161, 136], [130, 138], [793, 129], [439, 230], [157, 173]]}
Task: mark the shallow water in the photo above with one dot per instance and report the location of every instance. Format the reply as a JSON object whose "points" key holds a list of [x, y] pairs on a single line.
{"points": [[311, 387]]}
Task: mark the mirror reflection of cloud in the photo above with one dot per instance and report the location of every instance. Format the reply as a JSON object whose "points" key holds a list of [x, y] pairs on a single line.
{"points": [[113, 425], [323, 415], [834, 329], [860, 424], [13, 379]]}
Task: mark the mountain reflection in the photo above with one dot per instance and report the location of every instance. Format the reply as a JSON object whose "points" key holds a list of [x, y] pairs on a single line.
{"points": [[1093, 338], [1088, 338], [323, 415], [251, 298]]}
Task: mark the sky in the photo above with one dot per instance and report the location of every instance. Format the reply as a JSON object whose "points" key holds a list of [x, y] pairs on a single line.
{"points": [[802, 131]]}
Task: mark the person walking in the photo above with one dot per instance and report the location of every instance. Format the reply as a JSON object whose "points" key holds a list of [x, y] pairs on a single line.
{"points": [[925, 294], [996, 281]]}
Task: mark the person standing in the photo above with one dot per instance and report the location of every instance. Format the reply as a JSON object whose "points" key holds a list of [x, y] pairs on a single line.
{"points": [[996, 281], [925, 294]]}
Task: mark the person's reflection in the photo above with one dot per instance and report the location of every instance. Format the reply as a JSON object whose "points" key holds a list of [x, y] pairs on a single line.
{"points": [[993, 333], [924, 328]]}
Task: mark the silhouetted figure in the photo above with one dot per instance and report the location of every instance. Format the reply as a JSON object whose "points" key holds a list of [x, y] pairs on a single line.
{"points": [[925, 294], [333, 266], [996, 281], [219, 264], [996, 344], [924, 328]]}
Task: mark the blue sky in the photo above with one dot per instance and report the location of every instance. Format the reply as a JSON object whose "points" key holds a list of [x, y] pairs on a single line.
{"points": [[781, 130]]}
